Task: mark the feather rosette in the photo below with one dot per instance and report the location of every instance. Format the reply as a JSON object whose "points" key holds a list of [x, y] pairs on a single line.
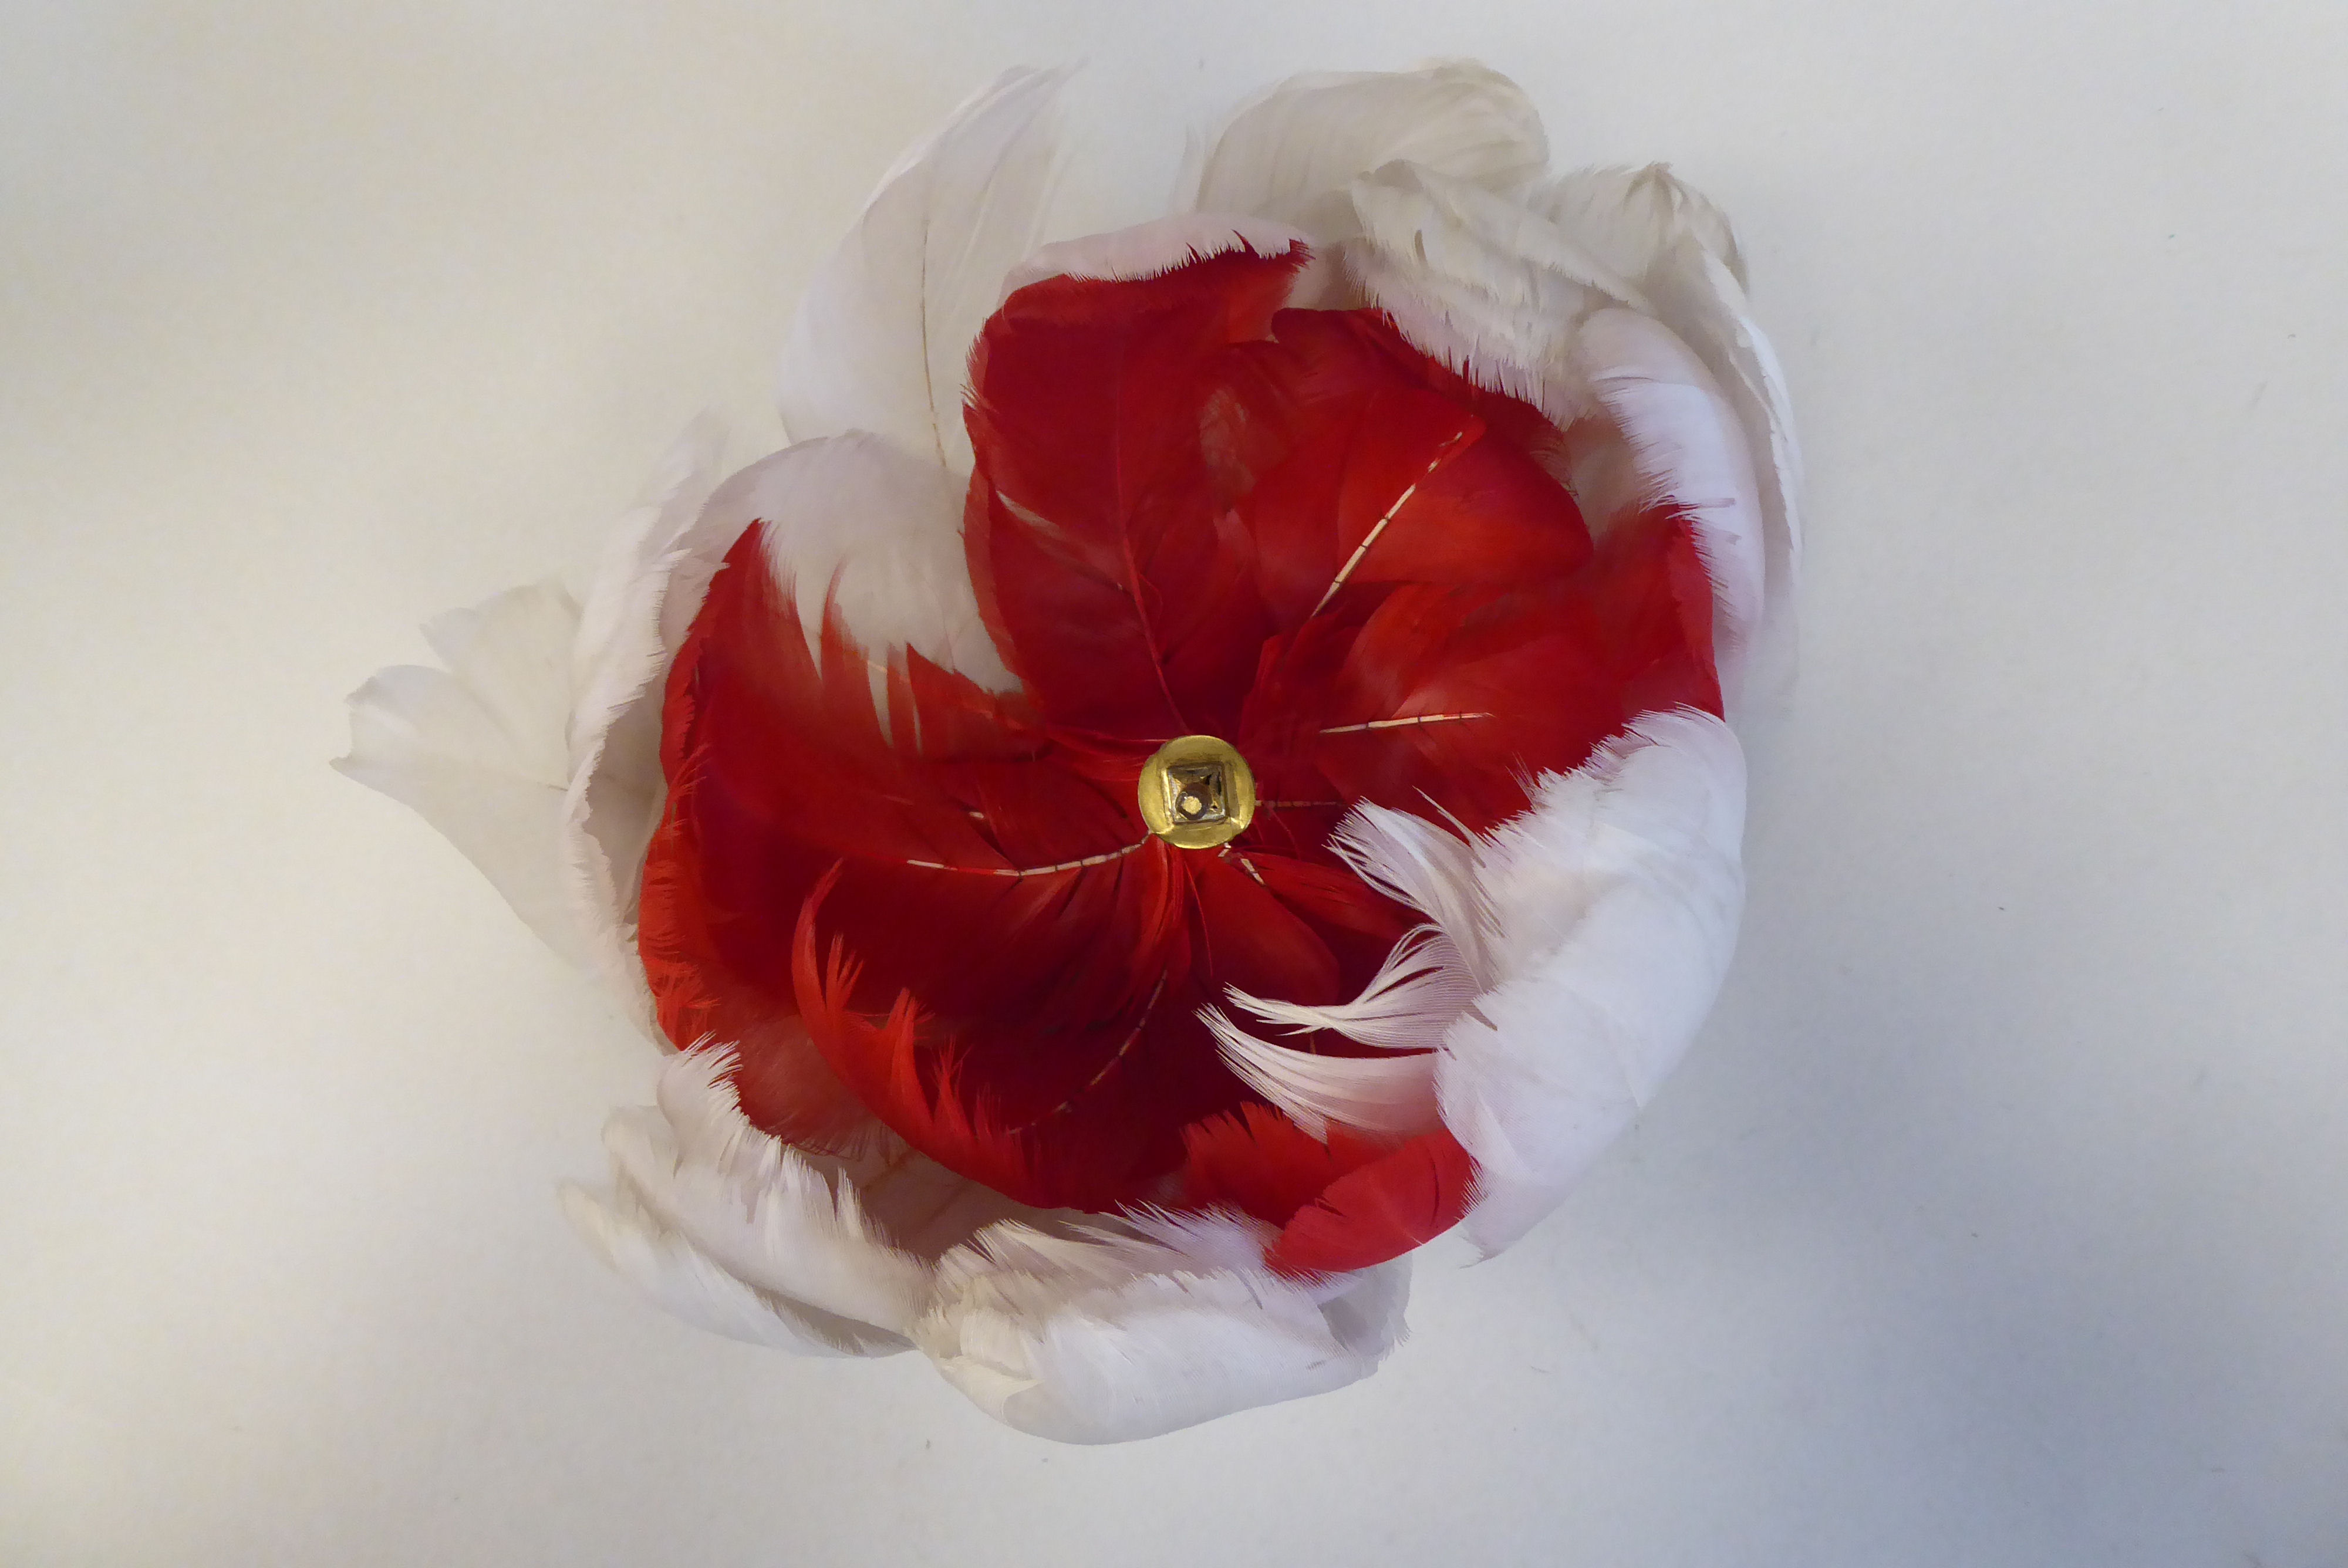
{"points": [[1455, 497]]}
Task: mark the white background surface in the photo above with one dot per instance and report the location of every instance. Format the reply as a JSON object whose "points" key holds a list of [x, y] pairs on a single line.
{"points": [[1999, 1216]]}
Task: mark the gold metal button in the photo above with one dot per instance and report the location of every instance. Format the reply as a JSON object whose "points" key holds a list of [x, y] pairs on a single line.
{"points": [[1197, 792]]}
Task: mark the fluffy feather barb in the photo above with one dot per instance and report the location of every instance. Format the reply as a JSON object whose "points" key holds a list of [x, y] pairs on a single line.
{"points": [[1393, 1095]]}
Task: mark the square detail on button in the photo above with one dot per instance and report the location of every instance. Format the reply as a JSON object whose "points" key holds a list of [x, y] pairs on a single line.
{"points": [[1197, 792]]}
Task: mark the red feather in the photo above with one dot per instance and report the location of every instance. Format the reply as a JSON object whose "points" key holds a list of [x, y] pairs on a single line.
{"points": [[1379, 1210], [1092, 529], [1192, 510], [1340, 1205]]}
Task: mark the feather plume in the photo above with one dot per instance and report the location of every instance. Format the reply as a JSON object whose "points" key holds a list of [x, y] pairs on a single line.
{"points": [[837, 765], [1342, 1201], [1386, 1209], [1505, 290], [1085, 531], [882, 340], [905, 838], [852, 522], [1192, 509], [1418, 864]]}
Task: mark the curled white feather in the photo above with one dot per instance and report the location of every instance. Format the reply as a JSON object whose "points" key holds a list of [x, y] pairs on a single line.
{"points": [[1406, 1006], [1388, 1095]]}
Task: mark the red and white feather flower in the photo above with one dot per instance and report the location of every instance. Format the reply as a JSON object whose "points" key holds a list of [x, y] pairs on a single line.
{"points": [[1202, 767]]}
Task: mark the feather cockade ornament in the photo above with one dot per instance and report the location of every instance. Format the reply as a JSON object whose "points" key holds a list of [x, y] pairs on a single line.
{"points": [[1203, 767]]}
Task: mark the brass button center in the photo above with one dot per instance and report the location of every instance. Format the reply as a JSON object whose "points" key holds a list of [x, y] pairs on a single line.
{"points": [[1197, 792]]}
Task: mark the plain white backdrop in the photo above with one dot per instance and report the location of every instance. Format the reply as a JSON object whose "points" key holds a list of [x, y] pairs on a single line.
{"points": [[2001, 1215]]}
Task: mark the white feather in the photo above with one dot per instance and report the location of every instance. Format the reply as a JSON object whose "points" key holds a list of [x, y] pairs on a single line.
{"points": [[1147, 1333], [1205, 1241], [1618, 894], [1689, 449], [1480, 281], [641, 603], [703, 1190], [681, 1280], [1086, 1331], [776, 1226], [1630, 218], [1602, 921], [1413, 860], [1284, 149], [1391, 1096], [853, 518], [478, 750], [1105, 1249], [1406, 1006], [1680, 250], [1291, 153], [1699, 297], [1507, 287], [757, 1205], [882, 341], [1089, 1251], [536, 751]]}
